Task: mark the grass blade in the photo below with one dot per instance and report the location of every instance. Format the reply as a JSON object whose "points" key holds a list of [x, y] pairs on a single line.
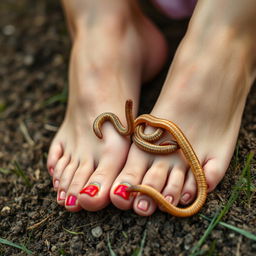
{"points": [[234, 195], [19, 172], [112, 253], [73, 232], [234, 228], [9, 243], [4, 171], [205, 235], [212, 249], [58, 98], [138, 251]]}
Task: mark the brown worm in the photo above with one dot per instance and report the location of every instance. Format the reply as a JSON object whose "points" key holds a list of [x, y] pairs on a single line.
{"points": [[133, 128]]}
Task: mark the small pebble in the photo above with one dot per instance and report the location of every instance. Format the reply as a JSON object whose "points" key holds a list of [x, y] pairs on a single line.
{"points": [[232, 235], [8, 30], [6, 209], [97, 231], [54, 248], [28, 60], [186, 247]]}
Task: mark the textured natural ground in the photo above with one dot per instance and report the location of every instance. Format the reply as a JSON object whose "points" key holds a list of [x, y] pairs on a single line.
{"points": [[34, 53]]}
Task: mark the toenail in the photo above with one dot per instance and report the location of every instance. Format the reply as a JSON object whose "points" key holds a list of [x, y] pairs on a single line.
{"points": [[71, 200], [91, 189], [185, 197], [51, 170], [143, 205], [62, 195], [121, 190], [56, 183], [169, 199]]}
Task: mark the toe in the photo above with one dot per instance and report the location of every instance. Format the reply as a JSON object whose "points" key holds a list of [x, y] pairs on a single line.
{"points": [[95, 194], [80, 178], [132, 173], [214, 173], [173, 188], [155, 177], [60, 166], [189, 189], [65, 179], [55, 153]]}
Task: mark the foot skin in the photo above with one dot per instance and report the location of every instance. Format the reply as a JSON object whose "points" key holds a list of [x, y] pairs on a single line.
{"points": [[111, 55], [204, 94]]}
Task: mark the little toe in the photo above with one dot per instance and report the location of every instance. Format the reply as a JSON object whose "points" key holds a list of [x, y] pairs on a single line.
{"points": [[60, 166], [155, 177], [55, 153], [214, 172]]}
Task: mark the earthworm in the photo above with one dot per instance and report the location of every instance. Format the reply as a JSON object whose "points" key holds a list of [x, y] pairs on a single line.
{"points": [[145, 143], [142, 140]]}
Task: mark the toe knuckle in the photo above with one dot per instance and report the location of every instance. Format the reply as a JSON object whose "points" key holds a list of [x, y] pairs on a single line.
{"points": [[161, 165], [131, 174], [175, 186]]}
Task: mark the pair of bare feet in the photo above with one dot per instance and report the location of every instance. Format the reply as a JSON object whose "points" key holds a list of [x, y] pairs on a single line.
{"points": [[116, 48]]}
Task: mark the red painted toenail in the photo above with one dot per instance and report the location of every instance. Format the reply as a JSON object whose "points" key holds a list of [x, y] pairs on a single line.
{"points": [[121, 190], [90, 190], [71, 200]]}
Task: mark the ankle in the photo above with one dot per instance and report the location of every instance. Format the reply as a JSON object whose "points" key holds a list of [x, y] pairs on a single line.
{"points": [[199, 68], [86, 15]]}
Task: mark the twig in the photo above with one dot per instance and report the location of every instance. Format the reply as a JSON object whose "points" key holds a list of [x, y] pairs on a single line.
{"points": [[25, 133], [238, 246], [50, 128], [36, 225]]}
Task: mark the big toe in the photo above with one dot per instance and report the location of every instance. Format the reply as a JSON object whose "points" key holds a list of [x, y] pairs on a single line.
{"points": [[95, 194]]}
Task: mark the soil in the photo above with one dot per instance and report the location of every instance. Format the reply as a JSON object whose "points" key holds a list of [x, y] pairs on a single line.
{"points": [[34, 50]]}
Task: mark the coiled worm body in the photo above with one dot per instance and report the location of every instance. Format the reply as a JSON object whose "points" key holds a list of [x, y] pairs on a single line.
{"points": [[135, 128]]}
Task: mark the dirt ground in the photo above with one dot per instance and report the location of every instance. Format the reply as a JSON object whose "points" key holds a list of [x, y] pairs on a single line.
{"points": [[34, 53]]}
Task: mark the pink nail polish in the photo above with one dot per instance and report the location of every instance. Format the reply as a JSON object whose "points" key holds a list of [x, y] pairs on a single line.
{"points": [[56, 184], [121, 190], [51, 170], [185, 197], [62, 195], [143, 205], [90, 190], [169, 199], [71, 200]]}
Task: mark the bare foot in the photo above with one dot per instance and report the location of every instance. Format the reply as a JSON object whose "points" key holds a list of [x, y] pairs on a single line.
{"points": [[204, 94], [112, 53]]}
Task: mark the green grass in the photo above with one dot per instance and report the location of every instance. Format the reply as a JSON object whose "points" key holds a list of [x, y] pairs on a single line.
{"points": [[62, 252], [243, 232], [58, 98], [5, 171], [2, 107], [138, 251], [21, 247], [244, 179], [73, 232], [20, 173]]}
